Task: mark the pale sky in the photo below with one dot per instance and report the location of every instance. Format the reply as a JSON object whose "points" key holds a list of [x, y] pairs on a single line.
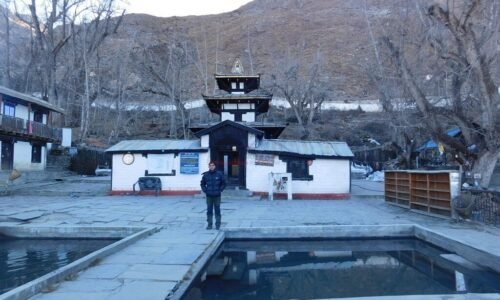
{"points": [[168, 8]]}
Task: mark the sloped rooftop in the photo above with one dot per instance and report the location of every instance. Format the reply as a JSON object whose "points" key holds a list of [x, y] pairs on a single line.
{"points": [[156, 145], [305, 148], [30, 99]]}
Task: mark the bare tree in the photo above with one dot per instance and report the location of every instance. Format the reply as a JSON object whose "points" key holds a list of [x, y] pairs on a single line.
{"points": [[459, 38], [51, 23], [7, 64], [92, 36], [201, 64], [302, 85], [167, 78], [249, 50]]}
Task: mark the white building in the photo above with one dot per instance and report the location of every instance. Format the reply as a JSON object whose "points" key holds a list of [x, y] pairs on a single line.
{"points": [[25, 130], [246, 151]]}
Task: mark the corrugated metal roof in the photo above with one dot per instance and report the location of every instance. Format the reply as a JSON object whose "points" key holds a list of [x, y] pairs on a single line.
{"points": [[156, 145], [30, 99], [312, 148]]}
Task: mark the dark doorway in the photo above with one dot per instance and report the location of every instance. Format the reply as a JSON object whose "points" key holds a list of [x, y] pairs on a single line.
{"points": [[228, 147], [7, 155], [231, 164]]}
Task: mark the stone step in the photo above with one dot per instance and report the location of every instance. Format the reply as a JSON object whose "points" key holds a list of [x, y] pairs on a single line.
{"points": [[58, 164], [235, 192], [248, 196]]}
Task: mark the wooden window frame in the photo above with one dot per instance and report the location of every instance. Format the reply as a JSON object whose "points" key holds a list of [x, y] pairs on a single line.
{"points": [[301, 174], [36, 156]]}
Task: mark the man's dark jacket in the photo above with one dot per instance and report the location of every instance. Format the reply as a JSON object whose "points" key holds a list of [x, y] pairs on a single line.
{"points": [[213, 183]]}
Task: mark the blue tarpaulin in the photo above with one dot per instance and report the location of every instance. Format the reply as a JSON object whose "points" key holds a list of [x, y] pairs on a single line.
{"points": [[430, 144]]}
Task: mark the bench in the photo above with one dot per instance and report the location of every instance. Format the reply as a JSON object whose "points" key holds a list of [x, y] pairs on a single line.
{"points": [[148, 183]]}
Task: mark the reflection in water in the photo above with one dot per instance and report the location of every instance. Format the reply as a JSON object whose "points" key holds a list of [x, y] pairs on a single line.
{"points": [[330, 269], [23, 260]]}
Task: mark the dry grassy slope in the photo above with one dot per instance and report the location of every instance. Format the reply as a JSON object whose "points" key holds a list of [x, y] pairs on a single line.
{"points": [[335, 28]]}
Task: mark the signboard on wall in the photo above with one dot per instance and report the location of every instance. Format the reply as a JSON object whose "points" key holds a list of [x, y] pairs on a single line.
{"points": [[189, 163], [160, 163], [280, 183], [264, 159]]}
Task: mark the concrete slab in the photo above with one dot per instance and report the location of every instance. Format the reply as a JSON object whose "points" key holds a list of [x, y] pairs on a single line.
{"points": [[173, 273], [179, 256], [133, 290], [127, 259], [153, 218], [82, 285], [27, 215], [105, 271], [138, 250], [61, 295]]}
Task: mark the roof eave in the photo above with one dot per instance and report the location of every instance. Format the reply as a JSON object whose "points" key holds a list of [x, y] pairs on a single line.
{"points": [[299, 154], [30, 99], [155, 151]]}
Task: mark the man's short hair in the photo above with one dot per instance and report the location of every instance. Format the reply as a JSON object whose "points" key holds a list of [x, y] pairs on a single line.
{"points": [[211, 163]]}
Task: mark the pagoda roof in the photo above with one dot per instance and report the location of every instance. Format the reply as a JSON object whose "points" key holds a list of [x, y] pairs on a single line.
{"points": [[255, 94], [236, 76], [259, 97], [241, 125], [271, 130], [252, 82]]}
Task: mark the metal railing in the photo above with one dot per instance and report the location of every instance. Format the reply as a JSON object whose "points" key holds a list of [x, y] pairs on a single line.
{"points": [[479, 205], [29, 128]]}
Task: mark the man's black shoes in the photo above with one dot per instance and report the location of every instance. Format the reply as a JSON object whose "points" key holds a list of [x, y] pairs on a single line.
{"points": [[210, 227]]}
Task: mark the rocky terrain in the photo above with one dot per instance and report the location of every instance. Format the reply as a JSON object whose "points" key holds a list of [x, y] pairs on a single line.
{"points": [[139, 63], [260, 33]]}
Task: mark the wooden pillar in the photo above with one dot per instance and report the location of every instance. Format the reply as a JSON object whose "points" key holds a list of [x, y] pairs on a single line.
{"points": [[1, 104], [30, 126]]}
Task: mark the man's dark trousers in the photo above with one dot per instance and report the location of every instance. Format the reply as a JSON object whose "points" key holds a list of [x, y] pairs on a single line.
{"points": [[213, 203]]}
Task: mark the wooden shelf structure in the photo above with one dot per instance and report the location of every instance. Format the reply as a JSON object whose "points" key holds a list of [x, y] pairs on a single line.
{"points": [[429, 192]]}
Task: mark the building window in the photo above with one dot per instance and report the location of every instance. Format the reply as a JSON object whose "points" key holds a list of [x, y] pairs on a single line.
{"points": [[38, 117], [36, 153], [9, 109], [233, 85], [299, 168], [242, 85]]}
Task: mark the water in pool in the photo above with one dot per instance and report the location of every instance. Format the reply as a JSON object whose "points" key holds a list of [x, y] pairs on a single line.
{"points": [[23, 260], [340, 268]]}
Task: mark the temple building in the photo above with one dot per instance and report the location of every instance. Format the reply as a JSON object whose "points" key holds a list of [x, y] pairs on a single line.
{"points": [[248, 152]]}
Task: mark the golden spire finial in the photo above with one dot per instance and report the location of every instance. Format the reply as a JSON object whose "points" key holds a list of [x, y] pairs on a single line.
{"points": [[237, 67]]}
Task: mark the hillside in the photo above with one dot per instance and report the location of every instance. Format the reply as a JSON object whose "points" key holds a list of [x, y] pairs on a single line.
{"points": [[334, 29], [152, 60]]}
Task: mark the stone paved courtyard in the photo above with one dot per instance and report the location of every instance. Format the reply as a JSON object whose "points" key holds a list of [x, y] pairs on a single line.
{"points": [[152, 267]]}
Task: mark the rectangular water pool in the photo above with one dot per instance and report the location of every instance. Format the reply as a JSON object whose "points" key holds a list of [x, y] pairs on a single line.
{"points": [[319, 269], [23, 260]]}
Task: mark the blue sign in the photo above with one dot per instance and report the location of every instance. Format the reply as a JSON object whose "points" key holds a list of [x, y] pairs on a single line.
{"points": [[189, 163]]}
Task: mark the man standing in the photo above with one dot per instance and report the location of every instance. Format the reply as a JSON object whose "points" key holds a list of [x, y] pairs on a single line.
{"points": [[212, 184]]}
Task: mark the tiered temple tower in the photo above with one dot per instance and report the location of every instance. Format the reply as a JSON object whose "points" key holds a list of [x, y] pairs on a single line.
{"points": [[238, 102], [240, 99]]}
